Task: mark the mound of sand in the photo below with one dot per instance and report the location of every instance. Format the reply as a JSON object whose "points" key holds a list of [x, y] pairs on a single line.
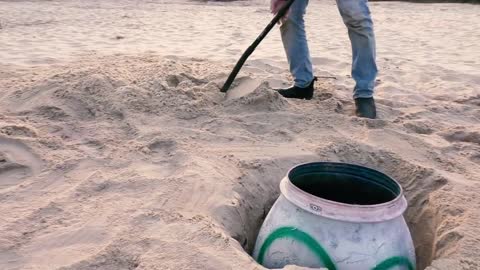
{"points": [[142, 162]]}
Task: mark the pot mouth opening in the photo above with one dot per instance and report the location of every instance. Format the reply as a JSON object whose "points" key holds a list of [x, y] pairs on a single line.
{"points": [[345, 184]]}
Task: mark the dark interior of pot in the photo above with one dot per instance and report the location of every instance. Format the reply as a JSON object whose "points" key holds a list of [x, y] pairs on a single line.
{"points": [[345, 183]]}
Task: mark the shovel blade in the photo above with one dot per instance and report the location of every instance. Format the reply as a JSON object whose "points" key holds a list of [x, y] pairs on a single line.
{"points": [[243, 86]]}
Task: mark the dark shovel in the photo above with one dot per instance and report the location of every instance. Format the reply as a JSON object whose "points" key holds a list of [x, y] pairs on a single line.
{"points": [[254, 45]]}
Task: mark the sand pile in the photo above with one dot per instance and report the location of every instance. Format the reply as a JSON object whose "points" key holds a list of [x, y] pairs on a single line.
{"points": [[140, 162]]}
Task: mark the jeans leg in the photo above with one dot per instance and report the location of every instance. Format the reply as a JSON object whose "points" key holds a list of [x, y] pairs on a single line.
{"points": [[356, 16], [295, 43]]}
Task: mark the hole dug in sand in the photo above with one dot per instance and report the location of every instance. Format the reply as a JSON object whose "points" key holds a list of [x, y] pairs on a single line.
{"points": [[431, 221]]}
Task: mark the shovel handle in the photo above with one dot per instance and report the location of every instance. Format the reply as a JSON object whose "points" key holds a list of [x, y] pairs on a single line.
{"points": [[254, 45]]}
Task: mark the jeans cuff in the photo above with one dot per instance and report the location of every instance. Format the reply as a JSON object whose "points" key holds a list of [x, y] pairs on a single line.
{"points": [[363, 94], [304, 83]]}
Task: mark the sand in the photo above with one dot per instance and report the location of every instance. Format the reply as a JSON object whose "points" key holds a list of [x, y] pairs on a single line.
{"points": [[117, 150]]}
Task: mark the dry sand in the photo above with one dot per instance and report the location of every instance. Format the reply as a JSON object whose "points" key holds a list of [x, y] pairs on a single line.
{"points": [[117, 150]]}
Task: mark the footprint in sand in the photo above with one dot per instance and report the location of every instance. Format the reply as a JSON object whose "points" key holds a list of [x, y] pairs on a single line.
{"points": [[461, 134], [17, 163], [173, 80], [471, 100], [419, 127], [51, 112], [10, 172], [464, 141], [48, 112], [17, 131], [162, 149], [323, 96]]}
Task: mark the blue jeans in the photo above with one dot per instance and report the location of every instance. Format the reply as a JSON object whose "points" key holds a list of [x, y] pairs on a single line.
{"points": [[356, 16]]}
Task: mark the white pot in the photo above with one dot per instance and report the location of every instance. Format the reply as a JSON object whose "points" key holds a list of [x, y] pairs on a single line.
{"points": [[338, 216]]}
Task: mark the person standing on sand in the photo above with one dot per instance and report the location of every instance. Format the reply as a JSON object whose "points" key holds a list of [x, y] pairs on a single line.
{"points": [[356, 16]]}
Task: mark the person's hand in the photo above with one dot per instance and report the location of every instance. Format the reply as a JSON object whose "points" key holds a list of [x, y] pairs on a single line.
{"points": [[276, 5]]}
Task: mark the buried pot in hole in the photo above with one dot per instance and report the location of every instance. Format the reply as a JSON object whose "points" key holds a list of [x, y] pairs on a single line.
{"points": [[338, 216]]}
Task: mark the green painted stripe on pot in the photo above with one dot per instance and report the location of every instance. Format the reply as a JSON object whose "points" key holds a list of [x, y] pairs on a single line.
{"points": [[307, 240], [319, 251], [394, 261]]}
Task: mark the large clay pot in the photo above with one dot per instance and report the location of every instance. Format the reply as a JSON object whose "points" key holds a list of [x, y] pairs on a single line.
{"points": [[338, 216]]}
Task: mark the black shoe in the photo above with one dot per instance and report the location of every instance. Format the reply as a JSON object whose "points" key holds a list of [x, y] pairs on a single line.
{"points": [[298, 92], [365, 107]]}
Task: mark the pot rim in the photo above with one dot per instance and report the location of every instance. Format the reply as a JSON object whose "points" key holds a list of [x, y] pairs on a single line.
{"points": [[343, 211]]}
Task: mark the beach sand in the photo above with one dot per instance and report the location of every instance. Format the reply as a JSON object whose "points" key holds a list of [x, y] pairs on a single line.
{"points": [[117, 150]]}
